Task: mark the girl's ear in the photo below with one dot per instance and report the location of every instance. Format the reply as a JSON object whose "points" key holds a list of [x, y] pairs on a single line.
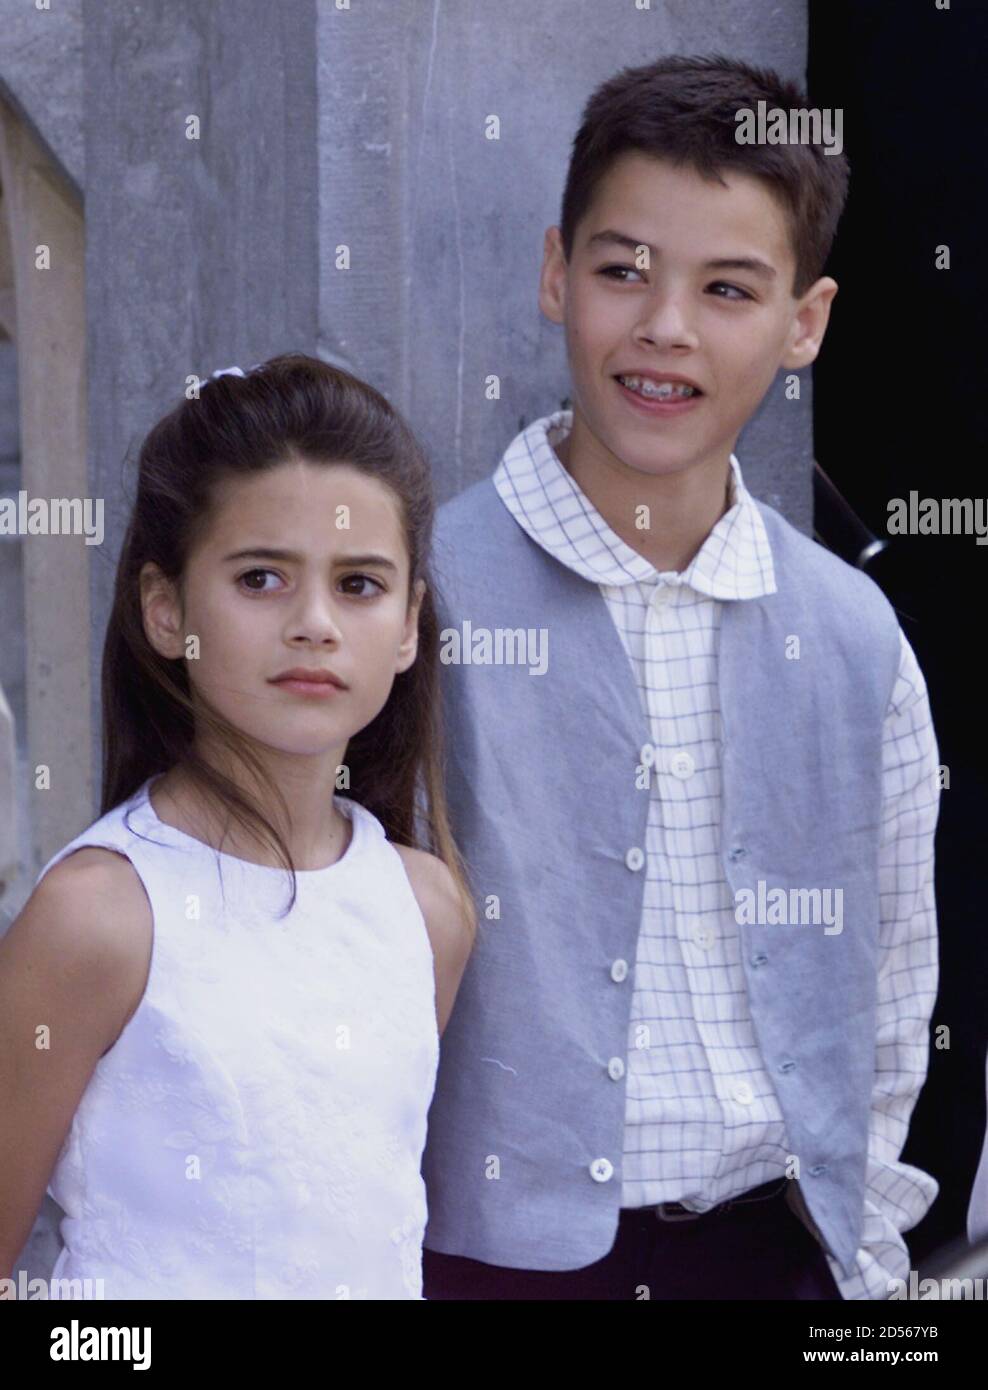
{"points": [[162, 613], [408, 650]]}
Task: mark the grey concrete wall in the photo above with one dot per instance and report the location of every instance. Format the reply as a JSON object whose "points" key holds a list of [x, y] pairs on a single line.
{"points": [[41, 81], [445, 227], [41, 207], [11, 565], [362, 126], [41, 76], [200, 253]]}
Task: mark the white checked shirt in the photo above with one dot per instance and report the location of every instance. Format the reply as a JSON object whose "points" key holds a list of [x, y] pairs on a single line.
{"points": [[702, 1121]]}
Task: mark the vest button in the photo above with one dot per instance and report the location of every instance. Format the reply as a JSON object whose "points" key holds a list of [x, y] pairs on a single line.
{"points": [[786, 1066], [681, 765], [635, 858], [738, 852], [601, 1170], [615, 1068], [619, 971], [760, 959], [818, 1170]]}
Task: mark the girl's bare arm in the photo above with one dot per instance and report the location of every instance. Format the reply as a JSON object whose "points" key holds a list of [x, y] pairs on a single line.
{"points": [[73, 968], [435, 892]]}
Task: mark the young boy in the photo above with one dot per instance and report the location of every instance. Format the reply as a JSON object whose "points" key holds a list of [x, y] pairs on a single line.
{"points": [[700, 822]]}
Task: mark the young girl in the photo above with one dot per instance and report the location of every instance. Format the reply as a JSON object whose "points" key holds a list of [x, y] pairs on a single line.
{"points": [[220, 1008]]}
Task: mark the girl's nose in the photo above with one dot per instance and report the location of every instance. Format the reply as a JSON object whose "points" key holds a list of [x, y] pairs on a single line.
{"points": [[314, 618]]}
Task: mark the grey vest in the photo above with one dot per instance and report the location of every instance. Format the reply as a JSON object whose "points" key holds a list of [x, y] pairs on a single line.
{"points": [[541, 782]]}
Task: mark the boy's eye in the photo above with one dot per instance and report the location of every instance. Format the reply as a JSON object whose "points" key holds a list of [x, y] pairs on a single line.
{"points": [[621, 270], [736, 290], [721, 288], [247, 578]]}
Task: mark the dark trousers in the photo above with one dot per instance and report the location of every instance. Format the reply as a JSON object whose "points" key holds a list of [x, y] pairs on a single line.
{"points": [[751, 1247]]}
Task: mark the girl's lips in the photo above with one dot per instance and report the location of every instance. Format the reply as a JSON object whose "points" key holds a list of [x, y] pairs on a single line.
{"points": [[660, 408], [317, 689]]}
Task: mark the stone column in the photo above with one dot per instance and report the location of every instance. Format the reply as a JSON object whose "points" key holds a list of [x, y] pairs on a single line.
{"points": [[201, 194], [42, 310]]}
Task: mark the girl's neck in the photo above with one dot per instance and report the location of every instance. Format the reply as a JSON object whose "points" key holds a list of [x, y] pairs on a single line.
{"points": [[317, 834]]}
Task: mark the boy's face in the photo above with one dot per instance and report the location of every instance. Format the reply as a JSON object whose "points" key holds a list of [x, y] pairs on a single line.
{"points": [[727, 328]]}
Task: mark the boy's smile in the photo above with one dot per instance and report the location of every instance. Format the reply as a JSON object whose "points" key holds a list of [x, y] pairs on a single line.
{"points": [[671, 353]]}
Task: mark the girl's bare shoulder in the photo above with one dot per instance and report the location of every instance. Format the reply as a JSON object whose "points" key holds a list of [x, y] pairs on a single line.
{"points": [[88, 917], [94, 878], [436, 893]]}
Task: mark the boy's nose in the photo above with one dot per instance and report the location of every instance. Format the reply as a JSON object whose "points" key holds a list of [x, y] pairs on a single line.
{"points": [[666, 323]]}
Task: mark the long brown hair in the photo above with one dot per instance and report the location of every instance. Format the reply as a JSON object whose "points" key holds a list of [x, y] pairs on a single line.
{"points": [[292, 406]]}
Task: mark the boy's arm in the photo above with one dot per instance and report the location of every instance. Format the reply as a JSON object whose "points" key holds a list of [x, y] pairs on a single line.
{"points": [[897, 1196]]}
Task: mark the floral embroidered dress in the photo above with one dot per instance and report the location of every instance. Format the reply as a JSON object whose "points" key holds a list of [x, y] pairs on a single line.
{"points": [[256, 1131]]}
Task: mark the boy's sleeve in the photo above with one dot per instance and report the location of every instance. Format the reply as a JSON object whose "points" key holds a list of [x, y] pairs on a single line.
{"points": [[897, 1196]]}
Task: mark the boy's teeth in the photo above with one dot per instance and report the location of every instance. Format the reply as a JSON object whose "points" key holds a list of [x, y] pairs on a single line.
{"points": [[660, 390]]}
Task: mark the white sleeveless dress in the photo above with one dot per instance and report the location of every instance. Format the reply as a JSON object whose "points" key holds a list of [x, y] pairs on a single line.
{"points": [[257, 1129]]}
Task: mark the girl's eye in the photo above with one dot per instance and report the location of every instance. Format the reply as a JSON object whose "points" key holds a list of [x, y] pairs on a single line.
{"points": [[622, 270], [250, 575], [362, 578], [735, 290]]}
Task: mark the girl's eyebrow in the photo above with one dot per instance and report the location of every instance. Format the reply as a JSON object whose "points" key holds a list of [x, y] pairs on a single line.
{"points": [[292, 557]]}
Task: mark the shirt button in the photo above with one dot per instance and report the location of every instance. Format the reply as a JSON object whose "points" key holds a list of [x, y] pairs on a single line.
{"points": [[635, 858], [601, 1169], [615, 1068], [619, 971], [743, 1093], [660, 596], [681, 765], [703, 937]]}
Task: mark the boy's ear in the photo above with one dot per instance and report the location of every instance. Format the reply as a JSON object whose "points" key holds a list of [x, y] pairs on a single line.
{"points": [[552, 280], [162, 613], [809, 323], [408, 649]]}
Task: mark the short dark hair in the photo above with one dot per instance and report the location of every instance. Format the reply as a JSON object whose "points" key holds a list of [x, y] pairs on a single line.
{"points": [[682, 109]]}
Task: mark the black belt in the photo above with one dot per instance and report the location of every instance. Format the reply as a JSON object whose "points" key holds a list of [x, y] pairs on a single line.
{"points": [[675, 1211]]}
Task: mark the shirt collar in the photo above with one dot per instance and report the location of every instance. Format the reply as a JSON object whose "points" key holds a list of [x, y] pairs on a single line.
{"points": [[734, 562]]}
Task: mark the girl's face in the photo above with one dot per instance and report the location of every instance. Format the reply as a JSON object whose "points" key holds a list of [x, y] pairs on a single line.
{"points": [[301, 567]]}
